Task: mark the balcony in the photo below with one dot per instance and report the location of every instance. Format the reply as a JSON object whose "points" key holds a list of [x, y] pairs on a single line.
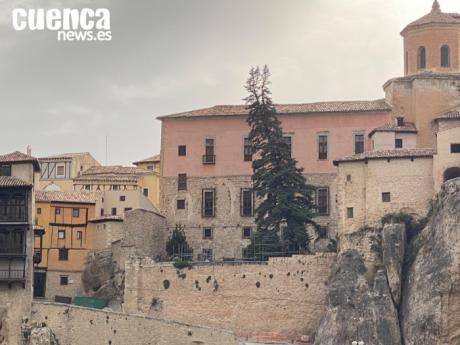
{"points": [[209, 159], [12, 251], [12, 275]]}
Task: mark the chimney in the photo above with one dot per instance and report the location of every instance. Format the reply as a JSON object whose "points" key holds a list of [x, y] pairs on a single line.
{"points": [[29, 150], [399, 121]]}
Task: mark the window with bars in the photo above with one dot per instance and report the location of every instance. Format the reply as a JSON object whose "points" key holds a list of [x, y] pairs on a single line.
{"points": [[64, 280], [208, 233], [322, 147], [246, 202], [208, 202], [359, 143], [247, 150], [386, 197], [209, 156], [182, 182], [206, 255], [322, 201], [247, 232]]}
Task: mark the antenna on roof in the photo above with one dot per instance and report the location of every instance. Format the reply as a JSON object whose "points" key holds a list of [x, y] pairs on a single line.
{"points": [[106, 149]]}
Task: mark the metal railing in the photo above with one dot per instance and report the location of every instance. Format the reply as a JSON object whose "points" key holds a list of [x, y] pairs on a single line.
{"points": [[209, 159]]}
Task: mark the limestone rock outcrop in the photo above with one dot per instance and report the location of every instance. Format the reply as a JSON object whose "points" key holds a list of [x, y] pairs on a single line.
{"points": [[43, 336], [359, 306], [431, 296], [393, 251]]}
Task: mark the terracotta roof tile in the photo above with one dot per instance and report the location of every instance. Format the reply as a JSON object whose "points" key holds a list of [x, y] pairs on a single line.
{"points": [[116, 173], [386, 154], [10, 181], [19, 157], [64, 156], [436, 16], [153, 159], [408, 127], [305, 108], [59, 196]]}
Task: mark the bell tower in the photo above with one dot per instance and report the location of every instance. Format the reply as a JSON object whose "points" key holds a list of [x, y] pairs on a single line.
{"points": [[432, 43], [430, 86]]}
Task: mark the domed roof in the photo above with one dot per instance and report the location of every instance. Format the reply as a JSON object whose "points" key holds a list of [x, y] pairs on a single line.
{"points": [[436, 16]]}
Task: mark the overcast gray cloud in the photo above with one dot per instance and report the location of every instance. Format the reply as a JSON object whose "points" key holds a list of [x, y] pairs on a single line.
{"points": [[174, 55]]}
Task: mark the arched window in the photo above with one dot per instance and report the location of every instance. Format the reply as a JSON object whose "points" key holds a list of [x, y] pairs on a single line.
{"points": [[445, 56], [421, 58]]}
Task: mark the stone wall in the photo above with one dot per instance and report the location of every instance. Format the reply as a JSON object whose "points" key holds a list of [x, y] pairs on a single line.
{"points": [[145, 231], [409, 182], [54, 287], [448, 133], [284, 295], [81, 326], [228, 224]]}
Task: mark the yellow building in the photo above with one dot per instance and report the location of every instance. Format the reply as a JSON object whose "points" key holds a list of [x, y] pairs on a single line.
{"points": [[125, 187], [68, 238], [152, 164]]}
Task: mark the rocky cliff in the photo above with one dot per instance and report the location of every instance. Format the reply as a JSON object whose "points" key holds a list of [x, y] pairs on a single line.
{"points": [[363, 294], [390, 292], [430, 312]]}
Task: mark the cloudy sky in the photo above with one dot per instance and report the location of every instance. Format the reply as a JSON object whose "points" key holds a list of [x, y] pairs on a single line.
{"points": [[169, 56]]}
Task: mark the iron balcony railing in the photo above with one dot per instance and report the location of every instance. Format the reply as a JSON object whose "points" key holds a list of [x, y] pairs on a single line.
{"points": [[209, 159]]}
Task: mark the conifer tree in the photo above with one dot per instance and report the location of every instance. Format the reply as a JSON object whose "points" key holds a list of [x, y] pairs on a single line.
{"points": [[286, 199], [177, 245]]}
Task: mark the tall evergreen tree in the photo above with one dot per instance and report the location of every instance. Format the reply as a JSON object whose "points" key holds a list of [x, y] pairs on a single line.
{"points": [[286, 199]]}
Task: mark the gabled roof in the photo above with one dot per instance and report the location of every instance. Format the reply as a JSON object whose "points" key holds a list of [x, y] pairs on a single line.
{"points": [[10, 181], [436, 16], [408, 127], [304, 108], [153, 159], [67, 197], [19, 157], [387, 154]]}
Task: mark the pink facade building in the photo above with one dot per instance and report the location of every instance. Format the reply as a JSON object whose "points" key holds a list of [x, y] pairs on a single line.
{"points": [[206, 169]]}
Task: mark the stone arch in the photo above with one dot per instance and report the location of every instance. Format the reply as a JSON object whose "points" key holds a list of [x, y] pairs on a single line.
{"points": [[451, 173]]}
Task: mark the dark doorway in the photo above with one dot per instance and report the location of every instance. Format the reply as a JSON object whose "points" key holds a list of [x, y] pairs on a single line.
{"points": [[451, 173], [39, 284]]}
